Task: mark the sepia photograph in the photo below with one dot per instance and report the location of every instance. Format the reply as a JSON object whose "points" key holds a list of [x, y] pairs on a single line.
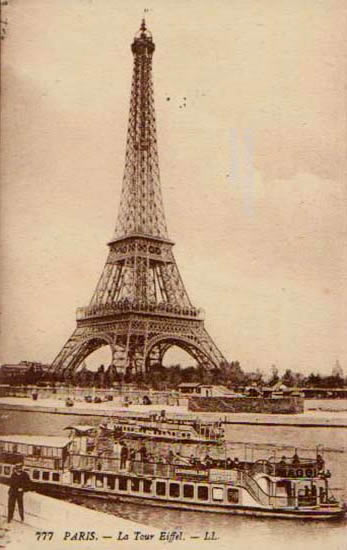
{"points": [[173, 368]]}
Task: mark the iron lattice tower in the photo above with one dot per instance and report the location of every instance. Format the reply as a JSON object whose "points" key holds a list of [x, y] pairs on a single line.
{"points": [[140, 307]]}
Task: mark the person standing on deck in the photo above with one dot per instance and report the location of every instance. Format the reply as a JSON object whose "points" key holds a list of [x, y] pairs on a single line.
{"points": [[19, 483], [124, 456]]}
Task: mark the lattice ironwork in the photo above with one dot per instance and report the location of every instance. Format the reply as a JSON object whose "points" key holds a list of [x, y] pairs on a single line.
{"points": [[140, 306]]}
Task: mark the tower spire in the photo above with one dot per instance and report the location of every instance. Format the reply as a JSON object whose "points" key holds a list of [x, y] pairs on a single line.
{"points": [[141, 208]]}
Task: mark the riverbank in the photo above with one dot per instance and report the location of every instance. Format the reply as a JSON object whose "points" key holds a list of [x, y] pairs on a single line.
{"points": [[309, 418], [68, 524]]}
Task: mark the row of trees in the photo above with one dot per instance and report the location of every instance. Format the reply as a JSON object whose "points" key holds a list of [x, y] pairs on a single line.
{"points": [[159, 377]]}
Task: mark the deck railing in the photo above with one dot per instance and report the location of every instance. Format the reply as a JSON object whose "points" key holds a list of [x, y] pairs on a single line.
{"points": [[303, 468], [109, 464]]}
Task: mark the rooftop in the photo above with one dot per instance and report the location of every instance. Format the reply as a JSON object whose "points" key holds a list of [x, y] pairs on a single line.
{"points": [[37, 440], [80, 427], [189, 385]]}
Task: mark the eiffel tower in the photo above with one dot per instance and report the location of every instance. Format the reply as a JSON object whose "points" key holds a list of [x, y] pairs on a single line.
{"points": [[140, 307]]}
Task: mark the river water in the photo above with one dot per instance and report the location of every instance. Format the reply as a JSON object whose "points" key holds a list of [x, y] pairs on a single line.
{"points": [[244, 441]]}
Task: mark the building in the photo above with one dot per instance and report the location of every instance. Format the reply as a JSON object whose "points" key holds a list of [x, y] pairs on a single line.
{"points": [[206, 390], [22, 372]]}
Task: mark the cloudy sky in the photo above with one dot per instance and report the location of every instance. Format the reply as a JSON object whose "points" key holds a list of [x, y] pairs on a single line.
{"points": [[252, 167]]}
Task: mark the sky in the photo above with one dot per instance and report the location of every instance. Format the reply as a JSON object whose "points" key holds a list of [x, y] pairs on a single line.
{"points": [[253, 167]]}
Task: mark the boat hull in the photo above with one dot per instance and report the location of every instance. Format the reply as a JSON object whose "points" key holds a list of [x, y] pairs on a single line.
{"points": [[69, 492]]}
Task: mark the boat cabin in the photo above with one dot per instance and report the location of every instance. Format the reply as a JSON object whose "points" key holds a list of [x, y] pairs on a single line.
{"points": [[43, 458]]}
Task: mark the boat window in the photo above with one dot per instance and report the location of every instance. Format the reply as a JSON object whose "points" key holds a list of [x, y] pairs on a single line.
{"points": [[110, 482], [233, 495], [202, 492], [188, 491], [217, 493], [188, 435], [161, 488], [123, 483], [174, 490], [99, 480], [87, 477], [45, 476], [55, 476], [7, 470], [135, 484], [76, 477], [36, 474], [147, 486]]}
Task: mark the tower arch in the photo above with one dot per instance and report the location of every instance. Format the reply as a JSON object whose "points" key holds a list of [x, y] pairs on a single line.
{"points": [[164, 342]]}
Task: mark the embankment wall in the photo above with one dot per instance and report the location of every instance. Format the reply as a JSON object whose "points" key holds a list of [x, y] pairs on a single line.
{"points": [[282, 405]]}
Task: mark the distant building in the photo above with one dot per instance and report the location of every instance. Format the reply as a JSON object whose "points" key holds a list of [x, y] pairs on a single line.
{"points": [[206, 390], [189, 388], [15, 371]]}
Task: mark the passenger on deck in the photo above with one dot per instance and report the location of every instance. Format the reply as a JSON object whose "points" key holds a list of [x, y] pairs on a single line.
{"points": [[322, 495], [320, 462], [283, 461], [236, 462], [143, 453], [124, 456], [170, 456], [295, 459], [208, 461], [198, 464], [229, 463], [132, 454]]}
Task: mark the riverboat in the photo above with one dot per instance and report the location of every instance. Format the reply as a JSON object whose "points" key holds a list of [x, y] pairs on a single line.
{"points": [[161, 428], [69, 467]]}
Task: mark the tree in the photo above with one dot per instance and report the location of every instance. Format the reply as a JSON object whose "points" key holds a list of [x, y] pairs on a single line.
{"points": [[100, 377], [111, 375], [274, 375], [235, 375], [288, 378], [314, 381], [337, 370]]}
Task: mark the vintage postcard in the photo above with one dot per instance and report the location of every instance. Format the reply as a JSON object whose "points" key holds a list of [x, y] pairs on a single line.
{"points": [[173, 280]]}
